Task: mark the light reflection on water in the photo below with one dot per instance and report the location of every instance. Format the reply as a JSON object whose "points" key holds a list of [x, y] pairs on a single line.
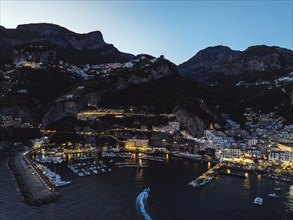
{"points": [[167, 157], [246, 182], [139, 178]]}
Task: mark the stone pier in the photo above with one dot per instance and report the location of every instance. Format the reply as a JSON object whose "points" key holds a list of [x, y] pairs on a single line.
{"points": [[35, 188]]}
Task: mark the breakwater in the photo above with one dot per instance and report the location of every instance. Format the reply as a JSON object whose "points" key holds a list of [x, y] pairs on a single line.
{"points": [[34, 187]]}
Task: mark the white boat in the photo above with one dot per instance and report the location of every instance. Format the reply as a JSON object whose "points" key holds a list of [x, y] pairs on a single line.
{"points": [[103, 170], [277, 189], [273, 195], [258, 200], [80, 174], [95, 172], [147, 190], [62, 183]]}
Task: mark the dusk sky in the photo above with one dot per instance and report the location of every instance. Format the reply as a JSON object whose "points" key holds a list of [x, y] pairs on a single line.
{"points": [[176, 29]]}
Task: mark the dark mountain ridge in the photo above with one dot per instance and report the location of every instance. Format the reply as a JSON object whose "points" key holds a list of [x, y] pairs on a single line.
{"points": [[71, 47], [220, 60]]}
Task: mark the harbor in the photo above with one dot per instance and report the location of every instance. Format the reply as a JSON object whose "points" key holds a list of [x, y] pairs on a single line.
{"points": [[123, 185]]}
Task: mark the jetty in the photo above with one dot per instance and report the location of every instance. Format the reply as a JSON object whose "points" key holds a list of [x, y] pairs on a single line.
{"points": [[206, 177], [237, 173], [36, 189]]}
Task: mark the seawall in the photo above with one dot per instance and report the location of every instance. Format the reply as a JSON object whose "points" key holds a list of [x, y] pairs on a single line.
{"points": [[35, 188]]}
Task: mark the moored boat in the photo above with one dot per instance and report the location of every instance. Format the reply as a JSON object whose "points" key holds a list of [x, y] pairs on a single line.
{"points": [[273, 195], [258, 200], [62, 183]]}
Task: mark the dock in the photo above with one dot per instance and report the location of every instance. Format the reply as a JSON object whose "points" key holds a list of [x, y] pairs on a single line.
{"points": [[36, 189], [230, 172], [206, 177]]}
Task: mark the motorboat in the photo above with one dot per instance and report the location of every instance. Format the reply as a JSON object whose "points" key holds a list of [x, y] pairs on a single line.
{"points": [[273, 195], [258, 200], [62, 183], [147, 190], [277, 189]]}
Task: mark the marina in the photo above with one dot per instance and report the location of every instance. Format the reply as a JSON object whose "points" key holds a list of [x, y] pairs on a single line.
{"points": [[89, 168], [53, 177], [50, 159]]}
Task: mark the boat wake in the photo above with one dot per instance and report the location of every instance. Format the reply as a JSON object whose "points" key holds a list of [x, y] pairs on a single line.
{"points": [[141, 201]]}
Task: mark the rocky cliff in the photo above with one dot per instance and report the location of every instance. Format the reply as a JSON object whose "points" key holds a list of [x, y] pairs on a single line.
{"points": [[71, 47], [191, 122]]}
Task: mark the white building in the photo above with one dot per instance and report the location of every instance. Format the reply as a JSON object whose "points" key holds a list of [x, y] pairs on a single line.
{"points": [[280, 156], [253, 152], [229, 153]]}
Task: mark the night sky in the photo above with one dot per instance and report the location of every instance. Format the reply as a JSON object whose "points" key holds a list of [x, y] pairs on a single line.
{"points": [[177, 29]]}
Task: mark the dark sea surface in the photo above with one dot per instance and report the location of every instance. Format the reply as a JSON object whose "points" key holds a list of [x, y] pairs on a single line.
{"points": [[114, 195]]}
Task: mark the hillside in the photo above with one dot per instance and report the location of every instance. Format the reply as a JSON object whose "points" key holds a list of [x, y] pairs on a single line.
{"points": [[260, 78]]}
